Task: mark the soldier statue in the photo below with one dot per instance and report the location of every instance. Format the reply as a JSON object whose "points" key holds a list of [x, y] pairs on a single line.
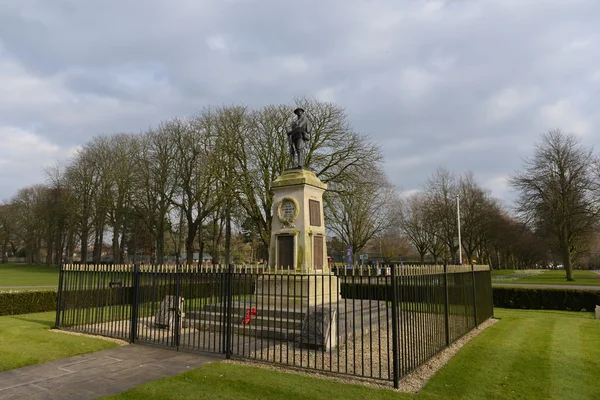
{"points": [[297, 138]]}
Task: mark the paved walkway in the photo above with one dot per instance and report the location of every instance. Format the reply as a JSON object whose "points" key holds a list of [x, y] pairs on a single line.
{"points": [[544, 286], [99, 374]]}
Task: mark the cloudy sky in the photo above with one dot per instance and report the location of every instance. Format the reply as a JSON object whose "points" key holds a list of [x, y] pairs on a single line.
{"points": [[467, 85]]}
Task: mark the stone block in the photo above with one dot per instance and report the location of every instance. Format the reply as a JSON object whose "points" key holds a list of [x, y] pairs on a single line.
{"points": [[319, 329], [165, 317]]}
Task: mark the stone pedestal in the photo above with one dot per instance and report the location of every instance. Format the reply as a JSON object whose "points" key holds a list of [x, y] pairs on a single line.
{"points": [[301, 276], [297, 291], [298, 239]]}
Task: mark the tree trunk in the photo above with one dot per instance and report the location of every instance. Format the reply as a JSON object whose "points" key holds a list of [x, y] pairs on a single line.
{"points": [[84, 244], [567, 264], [3, 256], [70, 246], [160, 241], [115, 244], [228, 234], [189, 241], [49, 250]]}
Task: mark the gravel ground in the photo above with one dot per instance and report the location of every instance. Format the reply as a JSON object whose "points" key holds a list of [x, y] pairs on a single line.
{"points": [[412, 382], [361, 354]]}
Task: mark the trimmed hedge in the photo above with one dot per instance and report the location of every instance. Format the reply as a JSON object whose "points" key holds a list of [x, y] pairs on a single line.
{"points": [[420, 294], [13, 303], [25, 302], [546, 299], [124, 295]]}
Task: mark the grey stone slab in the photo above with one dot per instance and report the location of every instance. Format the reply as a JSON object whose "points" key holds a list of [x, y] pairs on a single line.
{"points": [[20, 392], [13, 378], [26, 379], [90, 363], [134, 373], [319, 329], [98, 374], [72, 379], [65, 394], [165, 317]]}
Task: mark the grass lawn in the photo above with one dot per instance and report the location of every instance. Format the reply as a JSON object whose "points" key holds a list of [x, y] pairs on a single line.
{"points": [[546, 277], [28, 275], [26, 340], [527, 355]]}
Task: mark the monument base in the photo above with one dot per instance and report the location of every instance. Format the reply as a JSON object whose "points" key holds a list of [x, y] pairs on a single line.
{"points": [[296, 291]]}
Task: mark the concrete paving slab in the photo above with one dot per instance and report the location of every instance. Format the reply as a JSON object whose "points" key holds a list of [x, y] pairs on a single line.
{"points": [[99, 374]]}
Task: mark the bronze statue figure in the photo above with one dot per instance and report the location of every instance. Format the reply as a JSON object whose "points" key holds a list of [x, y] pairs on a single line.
{"points": [[297, 138]]}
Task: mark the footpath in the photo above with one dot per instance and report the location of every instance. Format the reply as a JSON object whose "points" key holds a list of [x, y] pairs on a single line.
{"points": [[99, 374]]}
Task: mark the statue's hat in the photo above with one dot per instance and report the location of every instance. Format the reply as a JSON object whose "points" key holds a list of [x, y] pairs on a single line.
{"points": [[298, 109]]}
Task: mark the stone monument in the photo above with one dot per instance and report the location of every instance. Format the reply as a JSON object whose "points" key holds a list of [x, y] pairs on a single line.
{"points": [[298, 228], [297, 298], [298, 241]]}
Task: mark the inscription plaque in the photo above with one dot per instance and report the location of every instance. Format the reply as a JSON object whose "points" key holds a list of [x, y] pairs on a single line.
{"points": [[314, 208], [288, 210], [318, 249]]}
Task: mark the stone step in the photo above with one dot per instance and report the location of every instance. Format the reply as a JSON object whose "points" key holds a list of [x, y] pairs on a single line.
{"points": [[240, 310], [257, 320], [264, 332]]}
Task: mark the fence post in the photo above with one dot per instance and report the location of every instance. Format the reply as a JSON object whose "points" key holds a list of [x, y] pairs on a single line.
{"points": [[474, 296], [135, 300], [59, 296], [395, 352], [178, 310], [491, 289], [446, 304], [229, 328]]}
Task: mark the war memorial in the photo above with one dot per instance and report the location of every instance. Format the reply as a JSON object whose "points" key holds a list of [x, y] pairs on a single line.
{"points": [[297, 310]]}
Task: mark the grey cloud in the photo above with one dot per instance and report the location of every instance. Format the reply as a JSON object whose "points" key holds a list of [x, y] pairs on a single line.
{"points": [[425, 80]]}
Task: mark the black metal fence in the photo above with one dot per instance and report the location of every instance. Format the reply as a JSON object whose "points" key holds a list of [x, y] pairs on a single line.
{"points": [[378, 323]]}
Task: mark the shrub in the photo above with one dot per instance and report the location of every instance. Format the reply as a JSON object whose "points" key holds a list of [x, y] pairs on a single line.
{"points": [[546, 299], [25, 302]]}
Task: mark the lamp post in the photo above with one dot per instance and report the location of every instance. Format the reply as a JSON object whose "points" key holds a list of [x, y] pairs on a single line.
{"points": [[458, 221]]}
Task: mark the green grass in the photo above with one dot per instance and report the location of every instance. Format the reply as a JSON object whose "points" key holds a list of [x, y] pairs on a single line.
{"points": [[26, 339], [230, 381], [527, 355], [545, 277], [28, 275]]}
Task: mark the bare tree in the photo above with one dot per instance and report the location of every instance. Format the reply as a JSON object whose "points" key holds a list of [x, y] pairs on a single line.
{"points": [[196, 193], [415, 224], [390, 244], [358, 211], [156, 179], [6, 232], [558, 195], [26, 210], [476, 207], [441, 190]]}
